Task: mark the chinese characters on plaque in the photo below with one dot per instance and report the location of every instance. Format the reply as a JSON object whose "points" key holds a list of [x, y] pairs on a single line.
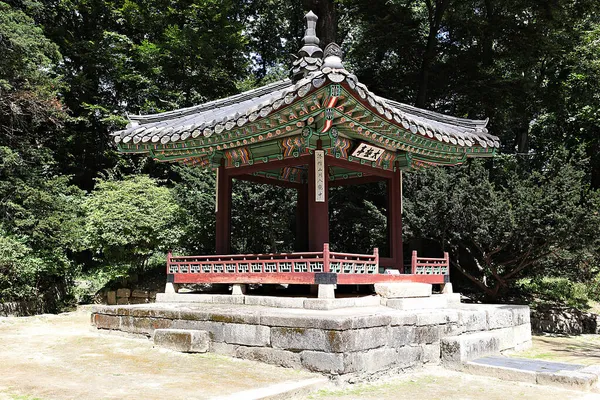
{"points": [[367, 152], [320, 176]]}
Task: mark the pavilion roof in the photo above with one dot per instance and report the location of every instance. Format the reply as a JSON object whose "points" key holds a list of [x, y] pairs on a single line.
{"points": [[218, 116], [322, 97]]}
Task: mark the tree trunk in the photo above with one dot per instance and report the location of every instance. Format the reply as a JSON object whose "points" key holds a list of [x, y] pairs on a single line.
{"points": [[327, 23], [435, 14]]}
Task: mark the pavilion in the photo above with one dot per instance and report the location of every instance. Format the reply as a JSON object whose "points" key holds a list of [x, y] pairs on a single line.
{"points": [[318, 129]]}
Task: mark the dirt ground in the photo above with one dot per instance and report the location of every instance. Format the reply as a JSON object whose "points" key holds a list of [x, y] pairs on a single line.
{"points": [[581, 349], [63, 357], [441, 384]]}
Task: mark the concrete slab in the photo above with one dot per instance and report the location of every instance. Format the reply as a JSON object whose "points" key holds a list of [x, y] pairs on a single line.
{"points": [[564, 375]]}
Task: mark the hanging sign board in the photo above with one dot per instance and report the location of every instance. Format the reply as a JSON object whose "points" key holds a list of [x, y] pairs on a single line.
{"points": [[368, 152], [319, 176]]}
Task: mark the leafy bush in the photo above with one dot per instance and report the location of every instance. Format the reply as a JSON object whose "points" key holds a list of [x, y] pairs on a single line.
{"points": [[129, 221], [555, 291]]}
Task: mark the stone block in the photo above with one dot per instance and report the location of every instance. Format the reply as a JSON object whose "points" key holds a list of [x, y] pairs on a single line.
{"points": [[227, 299], [144, 326], [451, 329], [431, 353], [434, 302], [499, 317], [364, 339], [409, 356], [521, 315], [401, 336], [473, 320], [235, 317], [431, 318], [427, 334], [138, 300], [186, 341], [328, 304], [568, 379], [123, 292], [268, 355], [245, 334], [453, 299], [367, 301], [214, 329], [173, 297], [318, 361], [522, 334], [294, 338], [506, 337], [238, 289], [369, 361], [111, 297], [326, 291], [102, 321], [271, 301], [504, 373], [329, 340], [122, 300], [403, 318], [225, 349], [289, 320], [457, 349], [144, 294], [400, 290]]}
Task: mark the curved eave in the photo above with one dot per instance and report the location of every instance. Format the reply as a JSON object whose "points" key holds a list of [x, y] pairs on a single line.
{"points": [[242, 117]]}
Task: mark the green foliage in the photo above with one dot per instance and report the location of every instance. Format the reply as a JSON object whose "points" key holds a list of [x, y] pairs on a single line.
{"points": [[27, 55], [358, 221], [504, 230], [555, 291], [195, 194], [262, 218], [128, 221]]}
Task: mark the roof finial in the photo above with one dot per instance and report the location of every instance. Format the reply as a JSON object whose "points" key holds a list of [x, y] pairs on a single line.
{"points": [[310, 54], [333, 56]]}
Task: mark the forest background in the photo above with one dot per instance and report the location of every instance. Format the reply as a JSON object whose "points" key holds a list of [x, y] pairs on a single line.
{"points": [[524, 226]]}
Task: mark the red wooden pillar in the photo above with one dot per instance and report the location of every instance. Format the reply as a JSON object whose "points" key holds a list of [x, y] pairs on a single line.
{"points": [[318, 197], [394, 186], [223, 208], [302, 219]]}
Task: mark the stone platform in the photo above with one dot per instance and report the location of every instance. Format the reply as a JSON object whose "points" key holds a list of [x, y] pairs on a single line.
{"points": [[361, 339]]}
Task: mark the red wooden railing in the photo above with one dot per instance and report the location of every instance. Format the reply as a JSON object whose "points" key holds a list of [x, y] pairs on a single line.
{"points": [[325, 261], [430, 266], [302, 268]]}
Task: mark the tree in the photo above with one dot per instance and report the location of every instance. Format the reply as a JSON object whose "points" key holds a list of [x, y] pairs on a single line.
{"points": [[128, 221], [505, 230]]}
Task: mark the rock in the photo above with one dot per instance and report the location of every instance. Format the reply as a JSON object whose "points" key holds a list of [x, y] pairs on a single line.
{"points": [[400, 290], [123, 292], [186, 341], [144, 294], [111, 297]]}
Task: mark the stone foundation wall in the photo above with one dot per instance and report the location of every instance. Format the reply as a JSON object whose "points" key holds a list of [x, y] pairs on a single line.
{"points": [[343, 343], [125, 296], [21, 308], [568, 321]]}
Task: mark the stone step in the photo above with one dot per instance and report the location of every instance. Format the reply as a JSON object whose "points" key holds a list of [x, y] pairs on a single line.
{"points": [[400, 290], [283, 391], [469, 346], [183, 340], [434, 302], [564, 375]]}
